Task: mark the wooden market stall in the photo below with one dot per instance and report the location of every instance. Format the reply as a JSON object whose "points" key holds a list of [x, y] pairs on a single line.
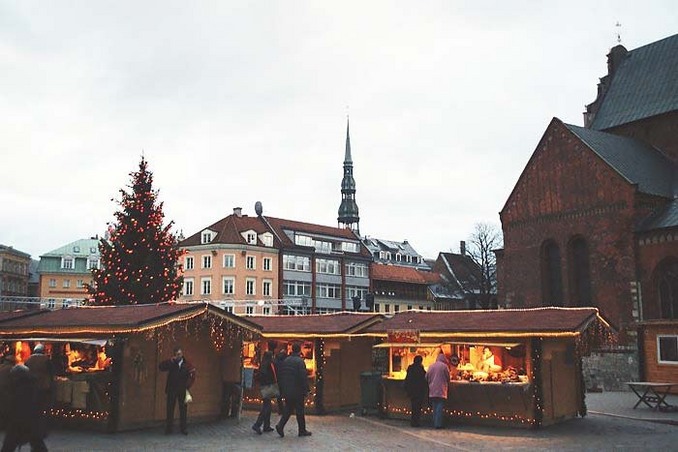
{"points": [[106, 358], [334, 355], [658, 346], [519, 367]]}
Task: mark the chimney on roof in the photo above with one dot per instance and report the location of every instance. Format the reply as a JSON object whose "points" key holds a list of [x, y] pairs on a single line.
{"points": [[462, 247], [237, 211]]}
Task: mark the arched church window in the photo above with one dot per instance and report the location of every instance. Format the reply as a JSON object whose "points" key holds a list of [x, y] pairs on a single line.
{"points": [[668, 289], [551, 274], [579, 272]]}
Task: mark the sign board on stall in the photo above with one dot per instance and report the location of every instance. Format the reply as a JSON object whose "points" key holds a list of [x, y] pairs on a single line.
{"points": [[404, 336]]}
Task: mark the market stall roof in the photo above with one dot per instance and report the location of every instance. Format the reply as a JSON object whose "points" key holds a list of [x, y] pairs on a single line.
{"points": [[315, 325], [112, 319], [11, 315], [547, 321]]}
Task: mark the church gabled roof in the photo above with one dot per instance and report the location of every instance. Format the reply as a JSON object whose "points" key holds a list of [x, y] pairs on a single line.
{"points": [[644, 85], [637, 162]]}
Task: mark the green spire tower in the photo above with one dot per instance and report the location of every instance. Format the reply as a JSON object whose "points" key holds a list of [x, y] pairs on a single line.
{"points": [[348, 210]]}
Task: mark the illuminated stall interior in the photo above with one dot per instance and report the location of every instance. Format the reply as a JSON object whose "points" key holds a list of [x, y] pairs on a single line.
{"points": [[520, 367], [334, 355], [106, 358]]}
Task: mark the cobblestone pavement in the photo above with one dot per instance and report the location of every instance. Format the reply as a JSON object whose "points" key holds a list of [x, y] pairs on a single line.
{"points": [[345, 433]]}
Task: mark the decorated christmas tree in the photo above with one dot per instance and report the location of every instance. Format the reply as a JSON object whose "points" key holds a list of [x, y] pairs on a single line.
{"points": [[139, 256]]}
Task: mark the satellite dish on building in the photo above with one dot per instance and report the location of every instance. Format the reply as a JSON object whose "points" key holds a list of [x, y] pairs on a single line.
{"points": [[258, 208]]}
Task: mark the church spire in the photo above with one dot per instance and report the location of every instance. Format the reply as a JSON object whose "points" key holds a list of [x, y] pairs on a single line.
{"points": [[348, 210]]}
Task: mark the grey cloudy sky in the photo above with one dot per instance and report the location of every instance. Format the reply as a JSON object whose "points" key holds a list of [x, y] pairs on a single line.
{"points": [[235, 102]]}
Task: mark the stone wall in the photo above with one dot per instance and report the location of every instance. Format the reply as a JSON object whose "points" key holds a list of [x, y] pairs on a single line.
{"points": [[610, 370]]}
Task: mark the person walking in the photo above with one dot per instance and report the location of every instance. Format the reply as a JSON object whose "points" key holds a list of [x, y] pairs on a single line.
{"points": [[267, 377], [416, 388], [42, 369], [438, 378], [180, 377], [294, 388], [279, 358], [22, 425]]}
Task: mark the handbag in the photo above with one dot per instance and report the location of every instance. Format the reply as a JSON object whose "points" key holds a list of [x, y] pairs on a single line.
{"points": [[188, 398], [272, 390]]}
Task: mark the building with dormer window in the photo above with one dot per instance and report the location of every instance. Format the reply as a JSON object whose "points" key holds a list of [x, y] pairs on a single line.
{"points": [[234, 263], [65, 271]]}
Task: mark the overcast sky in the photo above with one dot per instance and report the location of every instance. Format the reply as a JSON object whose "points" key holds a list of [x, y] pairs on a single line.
{"points": [[238, 102]]}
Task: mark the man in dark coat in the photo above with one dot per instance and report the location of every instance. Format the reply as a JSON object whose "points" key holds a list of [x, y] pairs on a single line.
{"points": [[293, 383], [180, 377], [42, 369], [416, 388], [22, 425]]}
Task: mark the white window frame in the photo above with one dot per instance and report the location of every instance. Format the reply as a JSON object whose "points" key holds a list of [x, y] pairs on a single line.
{"points": [[80, 283], [266, 310], [297, 286], [249, 309], [52, 283], [93, 262], [324, 290], [352, 291], [327, 266], [303, 240], [68, 263], [357, 269], [227, 258], [66, 284], [224, 280], [206, 261], [189, 263], [323, 247], [296, 263], [349, 247], [267, 264], [665, 336], [251, 238], [264, 284], [189, 286], [228, 307], [251, 262], [206, 286], [266, 238], [206, 237], [250, 286]]}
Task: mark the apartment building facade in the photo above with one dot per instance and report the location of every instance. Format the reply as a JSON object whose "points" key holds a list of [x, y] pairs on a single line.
{"points": [[234, 264], [65, 271]]}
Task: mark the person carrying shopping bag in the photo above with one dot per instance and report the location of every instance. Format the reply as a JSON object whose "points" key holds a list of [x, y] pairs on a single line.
{"points": [[268, 382]]}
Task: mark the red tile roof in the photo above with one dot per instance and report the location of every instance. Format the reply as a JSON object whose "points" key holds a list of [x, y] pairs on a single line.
{"points": [[501, 322], [315, 324], [385, 272], [111, 319], [229, 230]]}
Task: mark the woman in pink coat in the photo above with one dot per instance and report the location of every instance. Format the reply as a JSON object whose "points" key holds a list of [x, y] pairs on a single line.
{"points": [[438, 378]]}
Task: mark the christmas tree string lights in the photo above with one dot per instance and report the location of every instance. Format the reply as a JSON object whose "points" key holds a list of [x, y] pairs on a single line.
{"points": [[140, 256]]}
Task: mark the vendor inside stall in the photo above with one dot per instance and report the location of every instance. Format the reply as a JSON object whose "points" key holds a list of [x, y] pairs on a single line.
{"points": [[489, 362]]}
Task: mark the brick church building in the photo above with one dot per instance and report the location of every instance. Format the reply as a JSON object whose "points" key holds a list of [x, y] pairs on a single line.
{"points": [[593, 218]]}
